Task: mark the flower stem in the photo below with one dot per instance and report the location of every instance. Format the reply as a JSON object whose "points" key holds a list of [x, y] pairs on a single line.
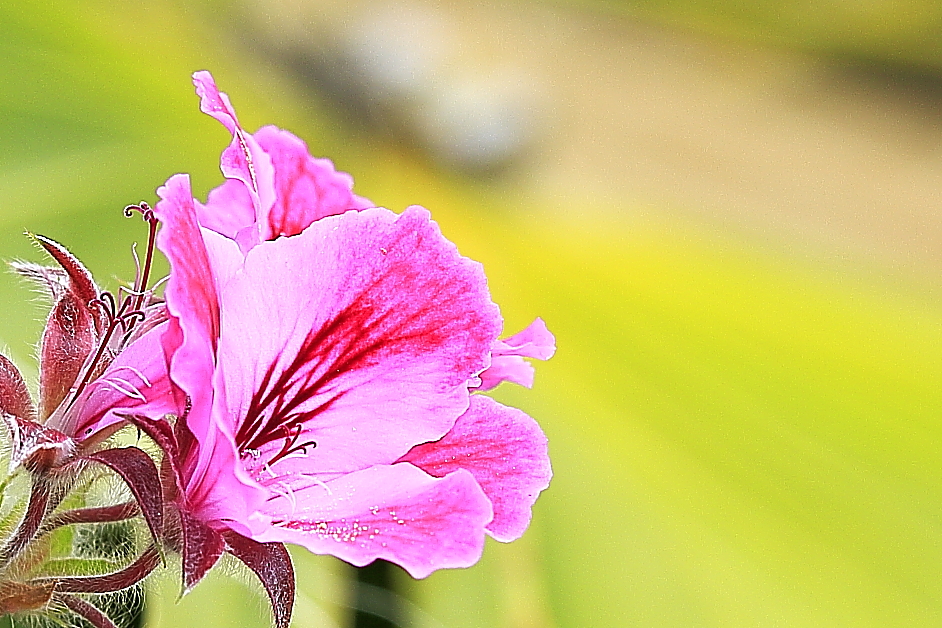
{"points": [[29, 526], [80, 607], [108, 583], [104, 514]]}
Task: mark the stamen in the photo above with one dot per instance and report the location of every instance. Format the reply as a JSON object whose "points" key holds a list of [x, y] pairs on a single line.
{"points": [[289, 447], [129, 313], [131, 392], [288, 494], [137, 372], [137, 263], [148, 214]]}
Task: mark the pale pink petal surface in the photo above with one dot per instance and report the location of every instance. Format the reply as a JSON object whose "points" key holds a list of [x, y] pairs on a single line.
{"points": [[507, 363], [396, 512], [506, 452], [228, 210], [507, 368], [534, 341]]}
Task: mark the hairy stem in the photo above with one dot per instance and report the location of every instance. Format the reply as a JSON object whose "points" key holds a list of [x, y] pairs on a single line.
{"points": [[29, 526], [80, 607], [104, 514], [108, 583]]}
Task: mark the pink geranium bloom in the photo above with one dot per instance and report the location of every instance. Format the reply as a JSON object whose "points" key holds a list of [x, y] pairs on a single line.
{"points": [[326, 350]]}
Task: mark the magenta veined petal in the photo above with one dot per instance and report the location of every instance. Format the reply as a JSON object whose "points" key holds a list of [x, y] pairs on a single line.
{"points": [[506, 452], [356, 337], [395, 512]]}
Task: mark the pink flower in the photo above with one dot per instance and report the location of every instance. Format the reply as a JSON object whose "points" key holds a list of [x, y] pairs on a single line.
{"points": [[326, 350]]}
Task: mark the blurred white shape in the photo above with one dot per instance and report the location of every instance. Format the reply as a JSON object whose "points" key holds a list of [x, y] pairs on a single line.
{"points": [[416, 69]]}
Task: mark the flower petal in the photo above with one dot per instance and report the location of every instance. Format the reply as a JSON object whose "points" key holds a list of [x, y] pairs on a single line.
{"points": [[136, 381], [507, 363], [507, 368], [191, 295], [228, 210], [396, 512], [306, 189], [535, 341], [505, 450], [361, 332], [243, 159]]}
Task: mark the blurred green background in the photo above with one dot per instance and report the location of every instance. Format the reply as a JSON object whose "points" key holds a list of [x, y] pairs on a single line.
{"points": [[728, 213]]}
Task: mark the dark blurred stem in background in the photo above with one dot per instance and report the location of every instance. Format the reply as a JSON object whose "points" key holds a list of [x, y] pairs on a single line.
{"points": [[376, 603]]}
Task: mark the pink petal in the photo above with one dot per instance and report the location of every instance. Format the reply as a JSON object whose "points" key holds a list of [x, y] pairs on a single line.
{"points": [[396, 512], [14, 396], [137, 381], [535, 341], [505, 450], [362, 332], [306, 189], [214, 103], [197, 257], [190, 294], [243, 159], [507, 363], [217, 487], [228, 210], [507, 368]]}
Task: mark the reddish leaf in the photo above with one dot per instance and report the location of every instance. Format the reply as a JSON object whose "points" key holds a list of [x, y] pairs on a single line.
{"points": [[202, 547], [14, 396], [71, 329], [80, 280], [90, 613], [37, 447], [68, 339], [159, 431], [140, 474], [272, 564], [109, 582], [103, 514], [54, 280]]}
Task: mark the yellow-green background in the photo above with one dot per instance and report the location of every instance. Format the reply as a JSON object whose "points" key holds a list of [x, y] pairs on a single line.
{"points": [[739, 438]]}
